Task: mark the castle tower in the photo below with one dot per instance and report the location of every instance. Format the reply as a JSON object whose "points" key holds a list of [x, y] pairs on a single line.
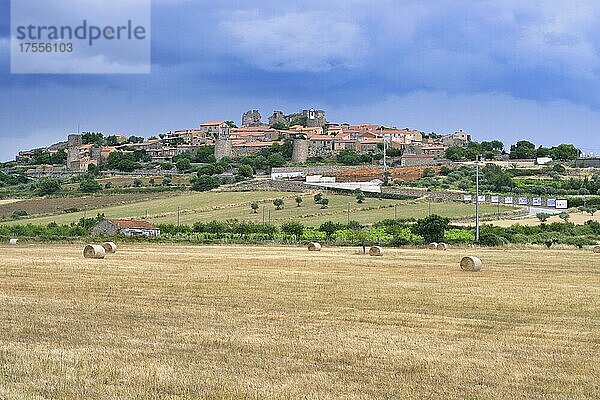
{"points": [[300, 151], [223, 145]]}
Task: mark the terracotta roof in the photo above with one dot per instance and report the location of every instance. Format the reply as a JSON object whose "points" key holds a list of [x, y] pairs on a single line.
{"points": [[212, 123], [132, 224], [254, 144], [323, 138]]}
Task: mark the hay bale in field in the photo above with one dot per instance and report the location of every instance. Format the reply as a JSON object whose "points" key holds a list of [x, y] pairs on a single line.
{"points": [[470, 263], [13, 242], [442, 246], [597, 249], [376, 251], [94, 251], [433, 246], [109, 247], [314, 246]]}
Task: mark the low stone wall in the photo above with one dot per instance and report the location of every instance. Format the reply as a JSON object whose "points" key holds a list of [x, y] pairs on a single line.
{"points": [[279, 185], [435, 195]]}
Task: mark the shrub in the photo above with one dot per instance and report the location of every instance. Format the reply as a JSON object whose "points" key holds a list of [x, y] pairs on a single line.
{"points": [[491, 239], [204, 183], [459, 236], [432, 228]]}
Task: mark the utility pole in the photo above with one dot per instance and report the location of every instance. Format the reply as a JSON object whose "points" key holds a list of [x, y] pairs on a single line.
{"points": [[477, 199], [348, 213]]}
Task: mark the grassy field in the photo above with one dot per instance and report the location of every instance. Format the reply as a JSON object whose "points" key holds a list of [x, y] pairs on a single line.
{"points": [[175, 322], [228, 205]]}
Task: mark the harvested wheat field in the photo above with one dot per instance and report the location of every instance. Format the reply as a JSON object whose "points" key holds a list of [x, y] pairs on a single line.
{"points": [[175, 322]]}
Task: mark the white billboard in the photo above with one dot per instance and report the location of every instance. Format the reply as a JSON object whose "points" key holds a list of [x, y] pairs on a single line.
{"points": [[523, 201], [551, 202], [467, 197], [537, 201], [508, 200], [562, 204], [495, 199]]}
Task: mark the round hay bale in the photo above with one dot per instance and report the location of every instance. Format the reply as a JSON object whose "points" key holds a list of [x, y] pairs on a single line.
{"points": [[376, 251], [433, 246], [109, 247], [597, 249], [13, 242], [442, 246], [470, 263], [94, 251], [314, 246]]}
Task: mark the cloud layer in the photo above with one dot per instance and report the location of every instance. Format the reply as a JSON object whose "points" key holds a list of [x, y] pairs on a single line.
{"points": [[216, 58]]}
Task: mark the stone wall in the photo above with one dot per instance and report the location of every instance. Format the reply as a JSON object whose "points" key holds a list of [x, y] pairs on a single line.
{"points": [[223, 148]]}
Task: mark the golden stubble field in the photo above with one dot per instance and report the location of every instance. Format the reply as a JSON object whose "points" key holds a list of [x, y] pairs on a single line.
{"points": [[179, 322]]}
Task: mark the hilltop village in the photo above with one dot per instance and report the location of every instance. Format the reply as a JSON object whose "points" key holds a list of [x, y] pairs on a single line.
{"points": [[311, 138]]}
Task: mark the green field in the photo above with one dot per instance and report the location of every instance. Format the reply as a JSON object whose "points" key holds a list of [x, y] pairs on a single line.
{"points": [[211, 206]]}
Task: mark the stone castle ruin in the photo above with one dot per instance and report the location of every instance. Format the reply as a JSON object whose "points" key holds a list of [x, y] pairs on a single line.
{"points": [[310, 118], [252, 118]]}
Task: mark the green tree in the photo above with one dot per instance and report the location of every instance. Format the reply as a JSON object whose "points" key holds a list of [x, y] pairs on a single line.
{"points": [[205, 154], [93, 170], [349, 157], [324, 202], [47, 186], [120, 161], [89, 185], [183, 164], [298, 200], [94, 138], [204, 183], [542, 216], [276, 160], [360, 196], [565, 152], [329, 228], [254, 207], [278, 203], [455, 153], [245, 171], [293, 228], [317, 198], [112, 140], [523, 149], [432, 228], [135, 139]]}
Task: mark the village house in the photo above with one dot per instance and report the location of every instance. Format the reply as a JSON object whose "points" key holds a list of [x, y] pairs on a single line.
{"points": [[215, 129], [126, 227], [435, 151], [189, 137]]}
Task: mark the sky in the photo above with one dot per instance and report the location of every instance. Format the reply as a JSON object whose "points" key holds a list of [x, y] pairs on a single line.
{"points": [[507, 70]]}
